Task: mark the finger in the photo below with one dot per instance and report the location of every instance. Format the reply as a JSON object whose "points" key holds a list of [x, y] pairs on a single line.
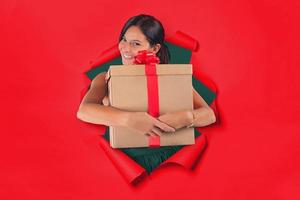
{"points": [[152, 134], [164, 127], [157, 131]]}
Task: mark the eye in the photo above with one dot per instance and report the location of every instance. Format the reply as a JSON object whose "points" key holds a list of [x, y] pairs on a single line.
{"points": [[136, 44]]}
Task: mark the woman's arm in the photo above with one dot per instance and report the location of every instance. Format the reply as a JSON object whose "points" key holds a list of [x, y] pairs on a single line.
{"points": [[93, 111], [202, 115]]}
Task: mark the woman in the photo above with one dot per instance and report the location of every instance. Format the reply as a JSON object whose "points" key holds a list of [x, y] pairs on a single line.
{"points": [[142, 32]]}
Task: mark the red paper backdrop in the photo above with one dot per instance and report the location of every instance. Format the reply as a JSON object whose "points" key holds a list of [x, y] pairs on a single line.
{"points": [[249, 48]]}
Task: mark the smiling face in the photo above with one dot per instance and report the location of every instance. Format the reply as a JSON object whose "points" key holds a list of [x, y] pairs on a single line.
{"points": [[132, 42]]}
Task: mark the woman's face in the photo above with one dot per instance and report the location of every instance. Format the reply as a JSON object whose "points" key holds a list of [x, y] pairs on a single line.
{"points": [[132, 42]]}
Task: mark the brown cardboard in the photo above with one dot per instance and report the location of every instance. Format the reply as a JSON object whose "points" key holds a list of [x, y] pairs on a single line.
{"points": [[128, 91]]}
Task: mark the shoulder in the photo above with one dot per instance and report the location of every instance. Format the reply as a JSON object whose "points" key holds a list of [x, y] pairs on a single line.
{"points": [[99, 80], [198, 100]]}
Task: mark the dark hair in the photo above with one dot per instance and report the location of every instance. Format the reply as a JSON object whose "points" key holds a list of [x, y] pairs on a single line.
{"points": [[154, 32]]}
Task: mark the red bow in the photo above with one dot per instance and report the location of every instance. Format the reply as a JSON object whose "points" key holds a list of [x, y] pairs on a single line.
{"points": [[146, 57]]}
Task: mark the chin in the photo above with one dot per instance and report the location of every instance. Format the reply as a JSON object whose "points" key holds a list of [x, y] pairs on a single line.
{"points": [[127, 62]]}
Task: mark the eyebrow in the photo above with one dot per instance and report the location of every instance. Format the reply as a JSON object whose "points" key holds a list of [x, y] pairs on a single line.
{"points": [[132, 40]]}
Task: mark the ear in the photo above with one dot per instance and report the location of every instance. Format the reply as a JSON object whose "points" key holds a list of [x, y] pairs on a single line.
{"points": [[156, 48]]}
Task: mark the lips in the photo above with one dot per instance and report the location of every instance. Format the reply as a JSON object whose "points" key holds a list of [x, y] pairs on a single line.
{"points": [[127, 57]]}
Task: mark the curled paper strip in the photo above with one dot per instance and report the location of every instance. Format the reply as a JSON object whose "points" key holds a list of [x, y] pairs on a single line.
{"points": [[183, 40], [105, 56], [132, 172], [129, 169], [188, 155]]}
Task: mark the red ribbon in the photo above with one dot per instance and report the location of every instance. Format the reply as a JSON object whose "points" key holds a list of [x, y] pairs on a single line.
{"points": [[150, 60]]}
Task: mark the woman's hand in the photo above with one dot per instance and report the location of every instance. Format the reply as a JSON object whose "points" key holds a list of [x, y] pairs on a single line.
{"points": [[105, 101], [178, 119], [144, 123]]}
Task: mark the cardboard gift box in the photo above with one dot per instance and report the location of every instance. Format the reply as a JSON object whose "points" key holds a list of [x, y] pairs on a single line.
{"points": [[127, 88]]}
